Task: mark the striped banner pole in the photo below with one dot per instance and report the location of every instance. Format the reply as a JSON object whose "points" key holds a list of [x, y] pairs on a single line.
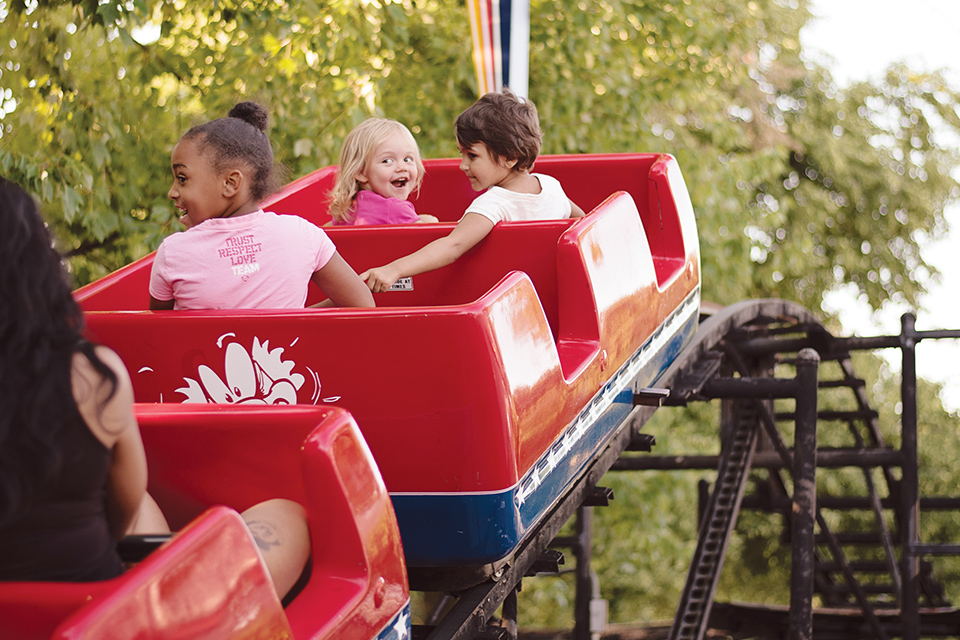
{"points": [[501, 44]]}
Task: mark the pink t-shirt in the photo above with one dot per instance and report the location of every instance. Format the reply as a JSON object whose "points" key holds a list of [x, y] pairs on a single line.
{"points": [[256, 261], [372, 208]]}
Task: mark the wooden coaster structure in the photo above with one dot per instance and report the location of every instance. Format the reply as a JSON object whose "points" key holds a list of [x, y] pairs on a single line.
{"points": [[870, 580]]}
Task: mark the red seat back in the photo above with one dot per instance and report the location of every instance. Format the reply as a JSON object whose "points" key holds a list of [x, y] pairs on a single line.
{"points": [[206, 582], [240, 455]]}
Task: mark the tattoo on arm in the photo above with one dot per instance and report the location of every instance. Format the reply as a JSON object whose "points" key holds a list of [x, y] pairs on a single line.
{"points": [[265, 534]]}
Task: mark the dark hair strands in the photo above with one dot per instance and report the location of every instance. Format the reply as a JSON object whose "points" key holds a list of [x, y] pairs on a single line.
{"points": [[41, 328], [508, 125], [241, 139]]}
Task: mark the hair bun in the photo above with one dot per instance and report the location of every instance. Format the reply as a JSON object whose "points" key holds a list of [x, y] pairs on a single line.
{"points": [[250, 112]]}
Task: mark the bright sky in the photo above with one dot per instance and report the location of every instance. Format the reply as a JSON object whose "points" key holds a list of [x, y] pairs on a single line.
{"points": [[857, 40]]}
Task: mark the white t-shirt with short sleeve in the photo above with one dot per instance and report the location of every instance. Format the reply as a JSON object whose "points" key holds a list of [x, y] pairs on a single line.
{"points": [[498, 204]]}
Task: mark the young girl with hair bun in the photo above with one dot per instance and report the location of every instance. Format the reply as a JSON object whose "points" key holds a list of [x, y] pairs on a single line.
{"points": [[233, 254]]}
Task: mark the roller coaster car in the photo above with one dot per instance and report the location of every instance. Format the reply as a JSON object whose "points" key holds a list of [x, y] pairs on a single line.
{"points": [[200, 455], [211, 578], [483, 388], [208, 580]]}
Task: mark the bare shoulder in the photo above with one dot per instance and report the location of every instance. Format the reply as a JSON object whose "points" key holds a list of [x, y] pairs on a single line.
{"points": [[85, 371], [107, 409], [112, 360]]}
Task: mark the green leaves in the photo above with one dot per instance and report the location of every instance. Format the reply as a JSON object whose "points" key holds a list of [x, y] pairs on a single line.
{"points": [[71, 203]]}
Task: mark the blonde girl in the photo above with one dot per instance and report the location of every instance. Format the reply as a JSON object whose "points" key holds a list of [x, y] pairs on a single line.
{"points": [[379, 168]]}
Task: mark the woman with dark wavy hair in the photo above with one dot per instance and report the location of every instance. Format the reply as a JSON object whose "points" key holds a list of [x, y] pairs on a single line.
{"points": [[72, 467], [73, 472]]}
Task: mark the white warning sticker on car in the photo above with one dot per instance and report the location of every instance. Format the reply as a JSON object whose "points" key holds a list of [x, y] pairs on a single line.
{"points": [[403, 284]]}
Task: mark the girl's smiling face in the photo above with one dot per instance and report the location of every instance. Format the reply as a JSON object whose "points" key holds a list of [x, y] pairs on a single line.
{"points": [[197, 189], [391, 170]]}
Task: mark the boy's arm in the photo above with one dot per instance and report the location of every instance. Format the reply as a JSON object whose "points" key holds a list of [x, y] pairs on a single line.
{"points": [[469, 231], [575, 211]]}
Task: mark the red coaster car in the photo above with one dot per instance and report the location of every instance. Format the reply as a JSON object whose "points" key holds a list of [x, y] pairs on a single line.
{"points": [[483, 388], [208, 581], [212, 582]]}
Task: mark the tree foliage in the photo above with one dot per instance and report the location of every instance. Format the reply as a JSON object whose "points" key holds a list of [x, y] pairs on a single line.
{"points": [[800, 186]]}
